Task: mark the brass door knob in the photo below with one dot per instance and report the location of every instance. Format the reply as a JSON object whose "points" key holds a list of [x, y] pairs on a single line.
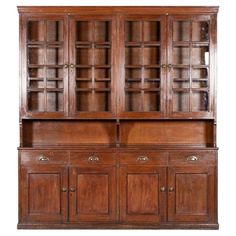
{"points": [[64, 189], [72, 66], [162, 189], [163, 66], [72, 189], [66, 66], [171, 189]]}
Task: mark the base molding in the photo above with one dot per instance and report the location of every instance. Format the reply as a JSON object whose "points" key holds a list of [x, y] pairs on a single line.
{"points": [[210, 226]]}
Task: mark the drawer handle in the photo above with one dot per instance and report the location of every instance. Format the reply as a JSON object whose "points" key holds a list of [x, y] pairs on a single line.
{"points": [[192, 158], [142, 158], [93, 158], [43, 158]]}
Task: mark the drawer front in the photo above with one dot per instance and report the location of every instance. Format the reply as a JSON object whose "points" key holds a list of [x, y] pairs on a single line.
{"points": [[144, 158], [85, 158], [43, 157], [192, 157]]}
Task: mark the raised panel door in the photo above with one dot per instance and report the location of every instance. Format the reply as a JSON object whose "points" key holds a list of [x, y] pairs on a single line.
{"points": [[191, 196], [92, 194], [43, 195], [142, 194]]}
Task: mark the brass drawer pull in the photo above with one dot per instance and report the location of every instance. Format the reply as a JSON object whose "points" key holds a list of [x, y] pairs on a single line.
{"points": [[93, 158], [43, 158], [192, 158], [142, 158]]}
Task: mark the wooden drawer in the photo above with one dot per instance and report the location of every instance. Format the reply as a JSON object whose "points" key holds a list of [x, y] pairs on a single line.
{"points": [[43, 157], [141, 158], [85, 158], [192, 157]]}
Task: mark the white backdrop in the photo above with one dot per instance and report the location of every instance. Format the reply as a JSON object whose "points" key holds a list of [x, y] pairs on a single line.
{"points": [[9, 135]]}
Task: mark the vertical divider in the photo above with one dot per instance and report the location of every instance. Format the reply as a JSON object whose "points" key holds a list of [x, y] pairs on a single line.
{"points": [[142, 68], [45, 64], [190, 67], [93, 64], [117, 132]]}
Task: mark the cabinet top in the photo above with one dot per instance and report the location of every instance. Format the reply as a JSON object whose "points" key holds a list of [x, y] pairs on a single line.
{"points": [[120, 9]]}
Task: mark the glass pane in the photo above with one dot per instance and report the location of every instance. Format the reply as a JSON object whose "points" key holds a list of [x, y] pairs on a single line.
{"points": [[133, 56], [102, 56], [181, 55], [152, 31], [54, 56], [181, 73], [133, 31], [84, 84], [200, 101], [133, 101], [181, 101], [82, 73], [181, 30], [54, 73], [200, 31], [35, 56], [35, 31], [102, 31], [133, 74], [84, 101], [151, 101], [54, 84], [54, 30], [54, 101], [133, 85], [200, 55], [35, 84], [152, 56], [152, 73], [199, 84], [181, 84], [102, 101], [83, 31], [36, 73], [201, 73], [102, 84], [151, 84], [36, 101], [84, 56], [102, 74]]}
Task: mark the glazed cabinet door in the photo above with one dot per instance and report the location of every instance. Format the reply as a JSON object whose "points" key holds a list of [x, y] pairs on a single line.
{"points": [[142, 194], [92, 194], [92, 65], [43, 194], [44, 72], [191, 194], [191, 65], [142, 79]]}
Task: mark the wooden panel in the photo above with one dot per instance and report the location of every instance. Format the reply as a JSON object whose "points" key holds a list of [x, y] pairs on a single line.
{"points": [[167, 132], [41, 196], [92, 194], [141, 199], [191, 194], [43, 157], [89, 158], [197, 157], [68, 132], [144, 158]]}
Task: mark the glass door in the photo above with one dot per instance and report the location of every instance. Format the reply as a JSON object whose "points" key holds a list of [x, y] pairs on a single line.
{"points": [[144, 79], [91, 68], [189, 68], [46, 77]]}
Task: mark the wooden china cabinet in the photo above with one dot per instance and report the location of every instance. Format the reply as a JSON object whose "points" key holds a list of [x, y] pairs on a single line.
{"points": [[118, 117]]}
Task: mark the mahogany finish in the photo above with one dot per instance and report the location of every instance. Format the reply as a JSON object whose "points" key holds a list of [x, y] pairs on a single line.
{"points": [[118, 118]]}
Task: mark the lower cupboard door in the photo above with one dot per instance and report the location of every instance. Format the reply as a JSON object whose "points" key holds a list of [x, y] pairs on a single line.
{"points": [[192, 194], [92, 194], [142, 194], [43, 194]]}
